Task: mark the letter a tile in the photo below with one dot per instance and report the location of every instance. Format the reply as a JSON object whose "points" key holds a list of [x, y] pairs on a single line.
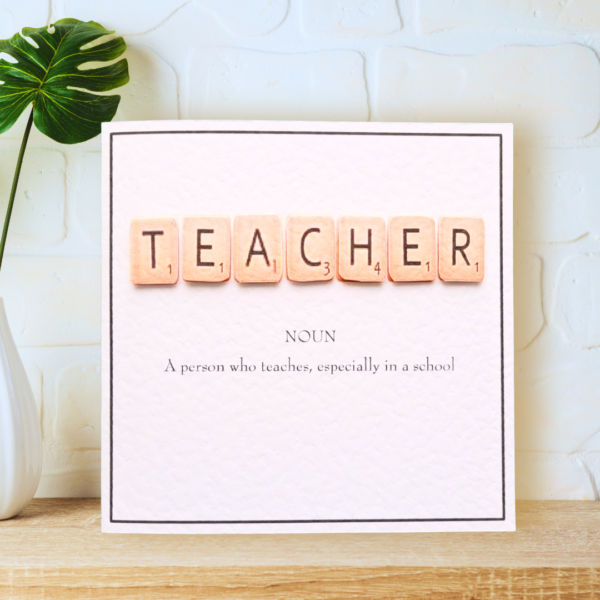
{"points": [[154, 251], [310, 248], [362, 249], [258, 249], [206, 249], [412, 249], [461, 249]]}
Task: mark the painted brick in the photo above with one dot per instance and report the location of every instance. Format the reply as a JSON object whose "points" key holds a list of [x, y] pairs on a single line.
{"points": [[78, 404], [190, 26], [88, 206], [525, 15], [152, 92], [552, 476], [591, 461], [16, 15], [250, 17], [577, 301], [512, 84], [247, 18], [66, 469], [61, 297], [558, 412], [350, 17], [556, 194], [529, 317], [257, 85], [39, 209], [70, 482], [593, 443]]}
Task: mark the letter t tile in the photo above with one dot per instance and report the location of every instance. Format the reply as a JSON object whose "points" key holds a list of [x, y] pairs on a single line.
{"points": [[154, 252]]}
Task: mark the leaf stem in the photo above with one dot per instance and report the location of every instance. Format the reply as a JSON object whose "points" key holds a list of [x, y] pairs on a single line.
{"points": [[13, 191]]}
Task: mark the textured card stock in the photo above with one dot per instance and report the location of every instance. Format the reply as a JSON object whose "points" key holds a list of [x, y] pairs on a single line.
{"points": [[352, 402]]}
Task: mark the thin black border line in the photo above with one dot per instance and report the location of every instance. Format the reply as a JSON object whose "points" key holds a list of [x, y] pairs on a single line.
{"points": [[382, 133], [502, 325], [312, 521], [374, 133], [110, 262]]}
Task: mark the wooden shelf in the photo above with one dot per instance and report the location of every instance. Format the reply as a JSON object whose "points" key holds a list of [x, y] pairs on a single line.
{"points": [[55, 550]]}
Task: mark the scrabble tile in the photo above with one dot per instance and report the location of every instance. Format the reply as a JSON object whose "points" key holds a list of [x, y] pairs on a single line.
{"points": [[362, 249], [154, 251], [258, 249], [310, 252], [461, 249], [412, 249], [206, 249]]}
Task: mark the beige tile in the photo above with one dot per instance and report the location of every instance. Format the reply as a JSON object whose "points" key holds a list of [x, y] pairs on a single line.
{"points": [[461, 249], [362, 249], [154, 251], [310, 248], [206, 249], [412, 249], [258, 249]]}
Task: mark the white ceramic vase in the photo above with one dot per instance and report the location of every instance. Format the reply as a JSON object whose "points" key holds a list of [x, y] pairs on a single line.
{"points": [[20, 429]]}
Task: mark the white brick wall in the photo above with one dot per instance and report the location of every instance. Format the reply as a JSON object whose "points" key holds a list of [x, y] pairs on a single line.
{"points": [[507, 84], [533, 62], [525, 15]]}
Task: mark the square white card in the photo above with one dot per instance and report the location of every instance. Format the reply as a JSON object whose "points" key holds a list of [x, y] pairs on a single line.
{"points": [[402, 422]]}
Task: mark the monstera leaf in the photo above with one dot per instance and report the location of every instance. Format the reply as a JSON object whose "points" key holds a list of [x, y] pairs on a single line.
{"points": [[48, 69], [49, 74]]}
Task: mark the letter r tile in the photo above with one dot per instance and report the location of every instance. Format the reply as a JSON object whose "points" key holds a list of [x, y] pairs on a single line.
{"points": [[310, 245], [153, 252], [461, 249], [412, 249], [206, 249], [362, 249], [258, 249]]}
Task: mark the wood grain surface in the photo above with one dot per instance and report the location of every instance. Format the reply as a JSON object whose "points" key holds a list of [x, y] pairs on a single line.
{"points": [[55, 550]]}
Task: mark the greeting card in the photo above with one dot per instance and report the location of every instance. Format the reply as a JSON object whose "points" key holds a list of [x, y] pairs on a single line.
{"points": [[307, 327]]}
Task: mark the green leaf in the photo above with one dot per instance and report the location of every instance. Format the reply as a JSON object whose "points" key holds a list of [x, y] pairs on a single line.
{"points": [[49, 74]]}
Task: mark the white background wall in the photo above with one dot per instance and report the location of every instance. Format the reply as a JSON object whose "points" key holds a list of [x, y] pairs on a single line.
{"points": [[533, 63]]}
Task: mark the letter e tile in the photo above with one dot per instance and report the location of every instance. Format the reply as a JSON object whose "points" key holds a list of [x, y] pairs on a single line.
{"points": [[154, 252], [461, 249], [310, 248], [412, 249], [258, 249], [206, 249], [362, 248]]}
